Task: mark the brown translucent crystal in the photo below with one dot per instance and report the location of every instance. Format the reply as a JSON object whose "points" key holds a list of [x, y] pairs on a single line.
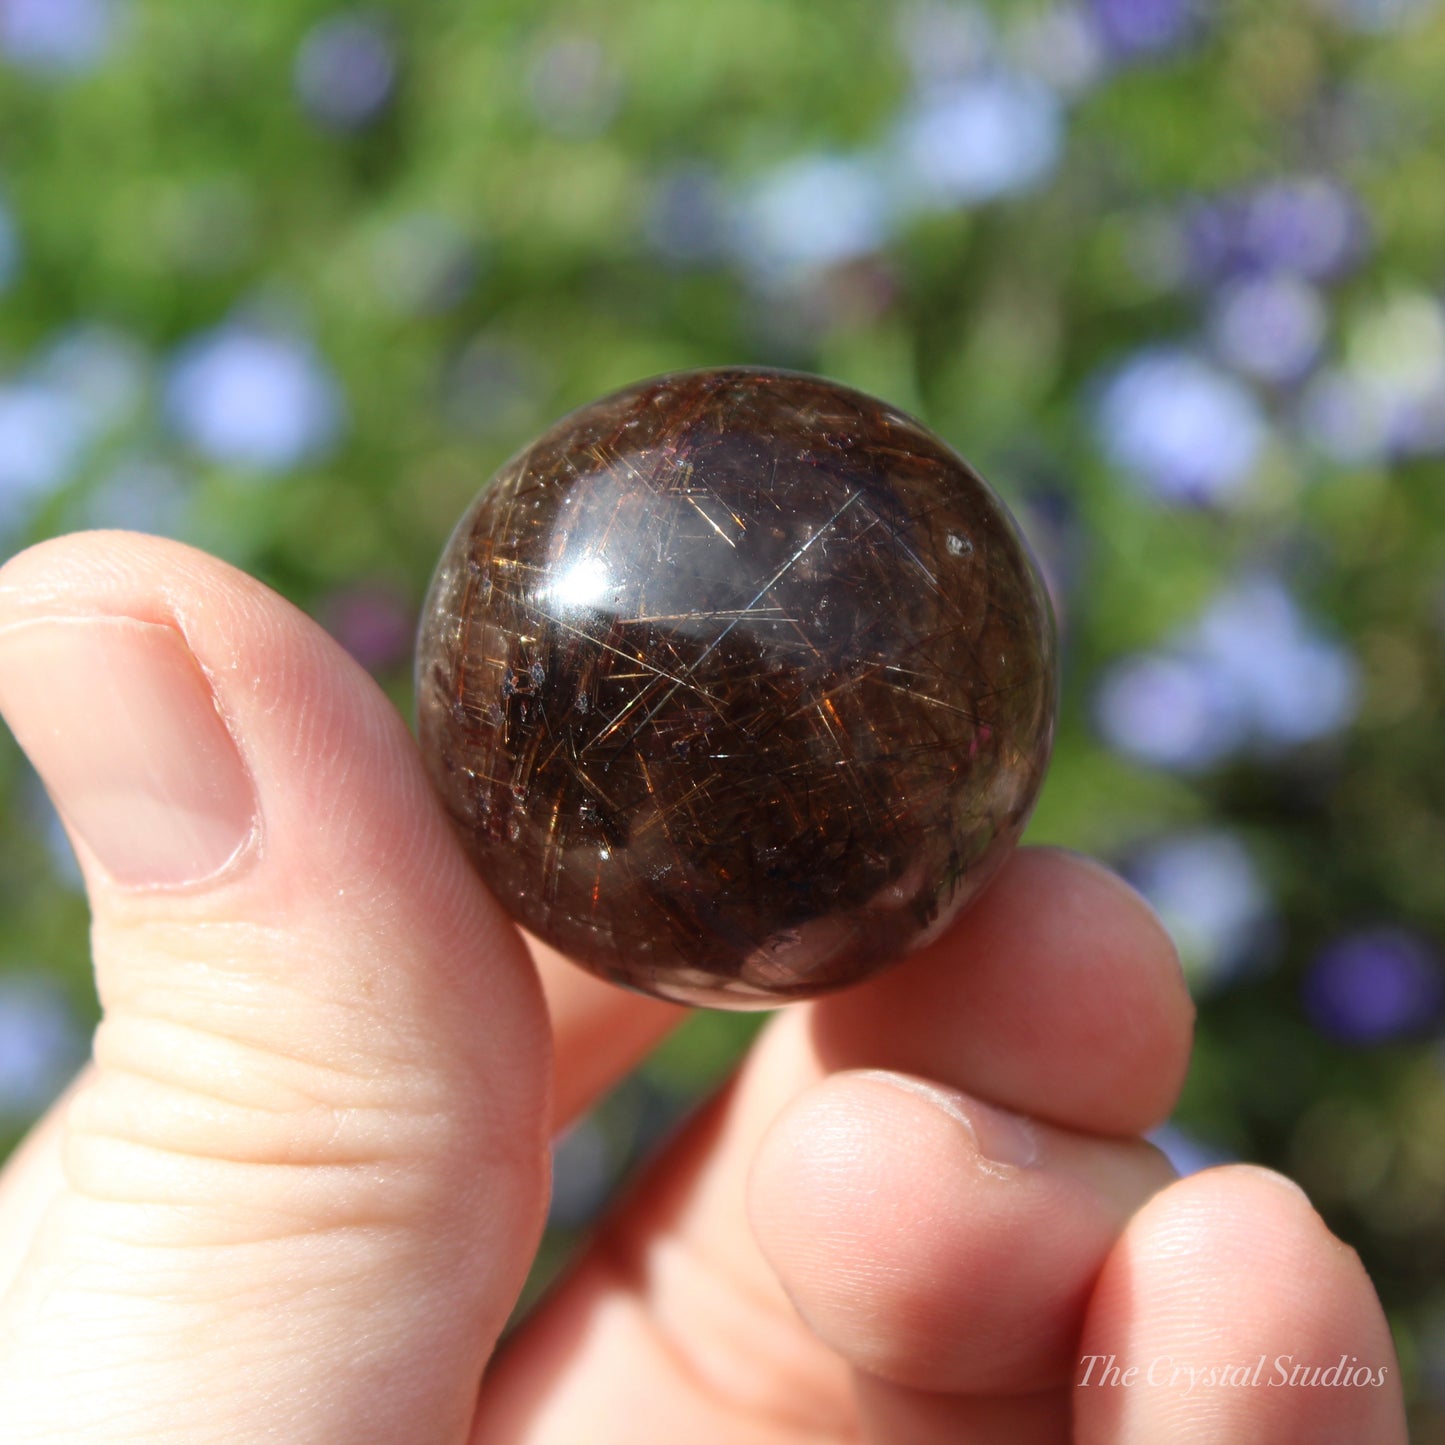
{"points": [[738, 684]]}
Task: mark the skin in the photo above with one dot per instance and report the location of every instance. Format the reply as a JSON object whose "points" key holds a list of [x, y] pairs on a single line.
{"points": [[295, 1195]]}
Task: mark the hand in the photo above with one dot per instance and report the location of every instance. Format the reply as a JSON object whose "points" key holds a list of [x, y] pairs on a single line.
{"points": [[296, 1193]]}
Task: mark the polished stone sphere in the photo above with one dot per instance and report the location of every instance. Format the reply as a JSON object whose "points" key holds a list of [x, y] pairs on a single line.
{"points": [[738, 685]]}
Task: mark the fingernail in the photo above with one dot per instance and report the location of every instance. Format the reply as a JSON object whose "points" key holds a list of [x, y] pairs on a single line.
{"points": [[1277, 1180], [1121, 885], [1001, 1136], [122, 727]]}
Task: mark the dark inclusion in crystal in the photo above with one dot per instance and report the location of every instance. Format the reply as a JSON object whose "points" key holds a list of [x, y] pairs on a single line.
{"points": [[738, 685]]}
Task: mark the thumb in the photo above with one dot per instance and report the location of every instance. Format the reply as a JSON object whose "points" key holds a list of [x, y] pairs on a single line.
{"points": [[301, 1186]]}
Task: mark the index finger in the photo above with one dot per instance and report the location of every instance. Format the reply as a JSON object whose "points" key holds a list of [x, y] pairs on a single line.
{"points": [[1059, 994]]}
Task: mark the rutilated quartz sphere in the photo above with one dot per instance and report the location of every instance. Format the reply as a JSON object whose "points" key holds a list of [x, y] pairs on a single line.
{"points": [[738, 685]]}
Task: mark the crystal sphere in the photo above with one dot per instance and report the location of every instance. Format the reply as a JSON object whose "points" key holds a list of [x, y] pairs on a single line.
{"points": [[738, 684]]}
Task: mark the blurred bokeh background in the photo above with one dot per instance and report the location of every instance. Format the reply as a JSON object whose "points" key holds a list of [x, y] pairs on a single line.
{"points": [[288, 281]]}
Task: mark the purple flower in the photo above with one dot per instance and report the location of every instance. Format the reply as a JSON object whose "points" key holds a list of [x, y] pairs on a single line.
{"points": [[1292, 683], [1133, 29], [1209, 895], [1168, 711], [1374, 986], [346, 71], [1180, 428], [1187, 1154], [372, 622], [992, 134], [1270, 327], [811, 213], [104, 371], [1253, 673], [1309, 226], [86, 383], [254, 399], [1345, 417], [138, 494], [41, 1044], [942, 41], [1062, 46], [57, 37], [1388, 399], [43, 437], [688, 220]]}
